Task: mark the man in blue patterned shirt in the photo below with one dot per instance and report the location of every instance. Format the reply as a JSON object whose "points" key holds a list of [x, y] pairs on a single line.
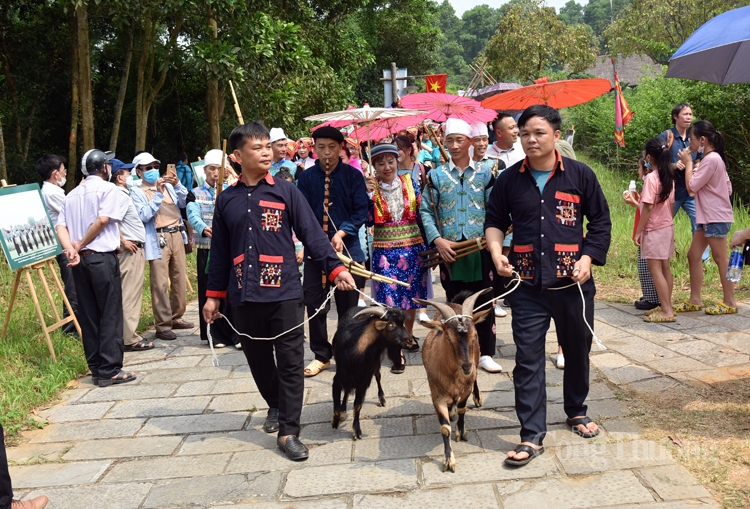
{"points": [[452, 209]]}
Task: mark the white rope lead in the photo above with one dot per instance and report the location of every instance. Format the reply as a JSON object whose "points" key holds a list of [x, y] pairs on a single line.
{"points": [[215, 359]]}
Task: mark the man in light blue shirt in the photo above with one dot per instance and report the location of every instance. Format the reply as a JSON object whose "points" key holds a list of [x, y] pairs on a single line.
{"points": [[158, 200], [279, 146]]}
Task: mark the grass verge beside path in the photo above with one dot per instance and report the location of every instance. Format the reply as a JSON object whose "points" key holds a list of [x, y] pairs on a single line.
{"points": [[618, 281], [28, 377], [707, 428]]}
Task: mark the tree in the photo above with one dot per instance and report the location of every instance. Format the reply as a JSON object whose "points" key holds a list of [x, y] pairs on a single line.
{"points": [[571, 13], [531, 39], [598, 15], [479, 24], [658, 27]]}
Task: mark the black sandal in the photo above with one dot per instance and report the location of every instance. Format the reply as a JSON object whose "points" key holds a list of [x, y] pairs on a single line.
{"points": [[120, 378], [414, 347], [141, 345], [574, 423], [532, 452]]}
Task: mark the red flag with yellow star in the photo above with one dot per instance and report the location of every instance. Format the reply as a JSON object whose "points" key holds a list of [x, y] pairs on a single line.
{"points": [[436, 83]]}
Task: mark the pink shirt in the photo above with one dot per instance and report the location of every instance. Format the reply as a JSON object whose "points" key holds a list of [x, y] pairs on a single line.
{"points": [[661, 215], [91, 199], [712, 188]]}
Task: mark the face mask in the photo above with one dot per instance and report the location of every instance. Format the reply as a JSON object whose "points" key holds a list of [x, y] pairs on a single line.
{"points": [[647, 164], [151, 176], [700, 149], [62, 182]]}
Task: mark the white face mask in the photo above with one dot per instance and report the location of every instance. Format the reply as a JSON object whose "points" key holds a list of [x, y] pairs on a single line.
{"points": [[62, 182], [700, 149]]}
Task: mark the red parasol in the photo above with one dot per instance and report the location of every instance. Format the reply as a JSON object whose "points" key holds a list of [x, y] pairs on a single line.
{"points": [[440, 107], [387, 126], [557, 94]]}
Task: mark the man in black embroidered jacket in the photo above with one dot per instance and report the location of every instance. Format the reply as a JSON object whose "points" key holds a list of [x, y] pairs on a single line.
{"points": [[253, 260], [548, 197]]}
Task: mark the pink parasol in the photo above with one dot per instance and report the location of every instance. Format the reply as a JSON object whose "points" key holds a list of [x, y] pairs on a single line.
{"points": [[387, 126], [440, 107]]}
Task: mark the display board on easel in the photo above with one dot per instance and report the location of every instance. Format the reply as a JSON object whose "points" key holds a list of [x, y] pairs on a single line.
{"points": [[30, 243]]}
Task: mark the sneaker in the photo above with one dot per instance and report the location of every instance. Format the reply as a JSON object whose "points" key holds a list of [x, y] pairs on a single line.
{"points": [[219, 345], [423, 317], [361, 303], [488, 364], [560, 361], [499, 311], [238, 346]]}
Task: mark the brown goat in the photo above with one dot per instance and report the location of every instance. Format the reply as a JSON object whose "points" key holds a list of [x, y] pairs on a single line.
{"points": [[450, 355]]}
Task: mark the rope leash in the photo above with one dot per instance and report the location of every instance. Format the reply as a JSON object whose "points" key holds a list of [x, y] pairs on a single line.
{"points": [[518, 280], [215, 359]]}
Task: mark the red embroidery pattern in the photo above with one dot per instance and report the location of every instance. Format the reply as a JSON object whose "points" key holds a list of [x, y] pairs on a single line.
{"points": [[270, 270], [271, 220]]}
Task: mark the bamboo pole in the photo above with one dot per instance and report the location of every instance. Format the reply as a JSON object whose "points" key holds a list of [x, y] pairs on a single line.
{"points": [[357, 270], [236, 104], [439, 144], [220, 182]]}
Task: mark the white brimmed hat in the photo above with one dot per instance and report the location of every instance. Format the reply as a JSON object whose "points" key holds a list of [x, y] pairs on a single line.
{"points": [[479, 129], [277, 133], [213, 157]]}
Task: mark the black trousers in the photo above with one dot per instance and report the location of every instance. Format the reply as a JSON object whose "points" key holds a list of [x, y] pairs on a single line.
{"points": [[486, 328], [6, 487], [315, 294], [221, 332], [99, 292], [281, 381], [532, 312], [66, 274]]}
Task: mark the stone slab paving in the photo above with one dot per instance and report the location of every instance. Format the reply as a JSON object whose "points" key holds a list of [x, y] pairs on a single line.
{"points": [[188, 433]]}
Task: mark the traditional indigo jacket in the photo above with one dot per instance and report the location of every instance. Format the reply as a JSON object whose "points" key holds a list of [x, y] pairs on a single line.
{"points": [[548, 227], [460, 201]]}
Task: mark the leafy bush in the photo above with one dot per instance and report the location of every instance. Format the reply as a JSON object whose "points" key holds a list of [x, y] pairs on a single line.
{"points": [[727, 107]]}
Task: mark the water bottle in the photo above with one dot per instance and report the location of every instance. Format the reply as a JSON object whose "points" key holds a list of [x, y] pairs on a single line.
{"points": [[736, 261], [631, 187]]}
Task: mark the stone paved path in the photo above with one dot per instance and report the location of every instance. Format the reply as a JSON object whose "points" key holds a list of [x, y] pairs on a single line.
{"points": [[187, 434]]}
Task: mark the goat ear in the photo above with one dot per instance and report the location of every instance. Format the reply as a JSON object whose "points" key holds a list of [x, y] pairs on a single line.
{"points": [[433, 324], [480, 317], [380, 324]]}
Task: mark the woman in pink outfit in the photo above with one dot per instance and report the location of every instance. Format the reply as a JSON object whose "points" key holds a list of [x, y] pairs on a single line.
{"points": [[710, 185], [655, 231]]}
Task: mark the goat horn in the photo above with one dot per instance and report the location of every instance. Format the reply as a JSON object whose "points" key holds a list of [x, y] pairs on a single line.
{"points": [[372, 310], [468, 306], [444, 309]]}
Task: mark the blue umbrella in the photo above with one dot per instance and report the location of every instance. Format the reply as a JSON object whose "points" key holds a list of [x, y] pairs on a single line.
{"points": [[718, 52]]}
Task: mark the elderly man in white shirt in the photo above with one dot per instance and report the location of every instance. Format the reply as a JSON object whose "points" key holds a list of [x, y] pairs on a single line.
{"points": [[507, 147], [53, 172], [88, 231]]}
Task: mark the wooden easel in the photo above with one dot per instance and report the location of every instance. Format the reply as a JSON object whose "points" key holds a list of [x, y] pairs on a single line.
{"points": [[59, 322]]}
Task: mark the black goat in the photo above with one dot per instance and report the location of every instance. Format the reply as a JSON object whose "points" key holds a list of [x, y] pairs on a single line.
{"points": [[361, 337]]}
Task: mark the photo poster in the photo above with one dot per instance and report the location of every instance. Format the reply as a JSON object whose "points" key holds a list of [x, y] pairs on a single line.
{"points": [[200, 175], [26, 230]]}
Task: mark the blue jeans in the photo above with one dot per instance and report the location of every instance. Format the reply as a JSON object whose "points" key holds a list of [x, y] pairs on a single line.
{"points": [[683, 199]]}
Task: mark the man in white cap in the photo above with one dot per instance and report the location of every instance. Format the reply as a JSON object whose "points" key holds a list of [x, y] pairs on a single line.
{"points": [[453, 208], [158, 201], [480, 142], [200, 214], [280, 151]]}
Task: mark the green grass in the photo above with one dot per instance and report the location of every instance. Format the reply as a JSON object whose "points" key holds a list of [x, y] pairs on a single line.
{"points": [[28, 377], [618, 279]]}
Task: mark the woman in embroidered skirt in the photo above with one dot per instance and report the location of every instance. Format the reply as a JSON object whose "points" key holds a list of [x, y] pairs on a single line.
{"points": [[397, 240]]}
